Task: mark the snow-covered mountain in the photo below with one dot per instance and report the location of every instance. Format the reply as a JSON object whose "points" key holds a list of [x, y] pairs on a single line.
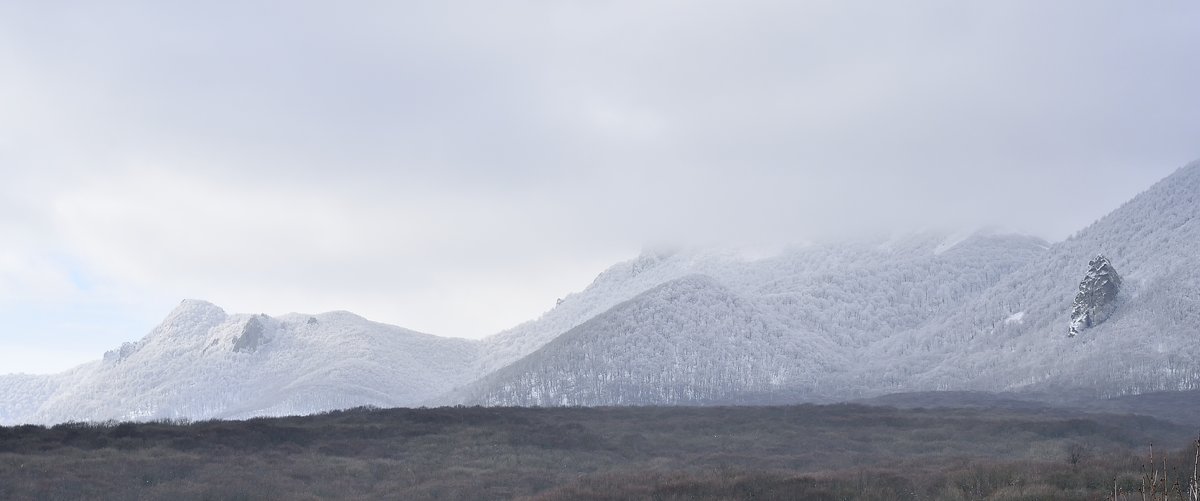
{"points": [[689, 341], [821, 287], [1150, 342], [922, 312], [755, 330], [821, 321], [204, 363]]}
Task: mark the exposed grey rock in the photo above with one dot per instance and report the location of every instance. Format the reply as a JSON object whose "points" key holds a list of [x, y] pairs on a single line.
{"points": [[117, 355], [253, 336], [1097, 296]]}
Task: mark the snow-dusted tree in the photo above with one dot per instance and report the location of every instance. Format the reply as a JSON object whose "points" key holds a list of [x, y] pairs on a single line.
{"points": [[1097, 295]]}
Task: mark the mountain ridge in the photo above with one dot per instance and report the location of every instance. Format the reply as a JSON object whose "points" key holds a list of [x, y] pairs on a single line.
{"points": [[837, 320]]}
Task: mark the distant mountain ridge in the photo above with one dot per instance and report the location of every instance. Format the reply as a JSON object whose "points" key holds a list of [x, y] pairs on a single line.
{"points": [[705, 345], [928, 311], [198, 364], [806, 322]]}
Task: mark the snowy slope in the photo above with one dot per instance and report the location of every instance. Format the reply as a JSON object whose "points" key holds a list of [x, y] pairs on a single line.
{"points": [[812, 309], [1152, 342], [203, 363], [921, 312], [688, 341], [843, 288], [22, 394], [611, 287]]}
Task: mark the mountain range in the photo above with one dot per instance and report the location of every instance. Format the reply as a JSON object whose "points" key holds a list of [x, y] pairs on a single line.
{"points": [[861, 318]]}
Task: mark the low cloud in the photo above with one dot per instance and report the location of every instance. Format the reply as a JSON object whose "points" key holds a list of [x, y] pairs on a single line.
{"points": [[455, 167]]}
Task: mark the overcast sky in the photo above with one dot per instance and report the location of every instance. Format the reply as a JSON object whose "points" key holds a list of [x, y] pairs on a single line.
{"points": [[454, 167]]}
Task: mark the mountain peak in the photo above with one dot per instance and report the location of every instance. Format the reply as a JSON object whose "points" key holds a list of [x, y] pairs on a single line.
{"points": [[187, 305], [195, 312]]}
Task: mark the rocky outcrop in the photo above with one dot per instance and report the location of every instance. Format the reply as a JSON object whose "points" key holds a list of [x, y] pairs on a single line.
{"points": [[1097, 296], [119, 354], [253, 336]]}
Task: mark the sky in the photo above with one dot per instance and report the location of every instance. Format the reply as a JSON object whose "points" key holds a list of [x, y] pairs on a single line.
{"points": [[454, 167]]}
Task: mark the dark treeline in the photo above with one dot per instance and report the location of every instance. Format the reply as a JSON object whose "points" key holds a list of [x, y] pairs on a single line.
{"points": [[793, 452]]}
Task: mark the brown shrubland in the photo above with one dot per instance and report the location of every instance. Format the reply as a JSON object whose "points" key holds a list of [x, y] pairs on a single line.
{"points": [[659, 453]]}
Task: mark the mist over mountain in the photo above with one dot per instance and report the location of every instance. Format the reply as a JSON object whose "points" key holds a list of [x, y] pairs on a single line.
{"points": [[817, 322], [771, 329]]}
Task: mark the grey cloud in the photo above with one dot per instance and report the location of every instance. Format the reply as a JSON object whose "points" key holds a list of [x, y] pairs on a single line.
{"points": [[395, 158]]}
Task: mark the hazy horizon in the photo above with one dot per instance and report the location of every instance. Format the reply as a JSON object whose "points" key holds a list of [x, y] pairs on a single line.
{"points": [[453, 168]]}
